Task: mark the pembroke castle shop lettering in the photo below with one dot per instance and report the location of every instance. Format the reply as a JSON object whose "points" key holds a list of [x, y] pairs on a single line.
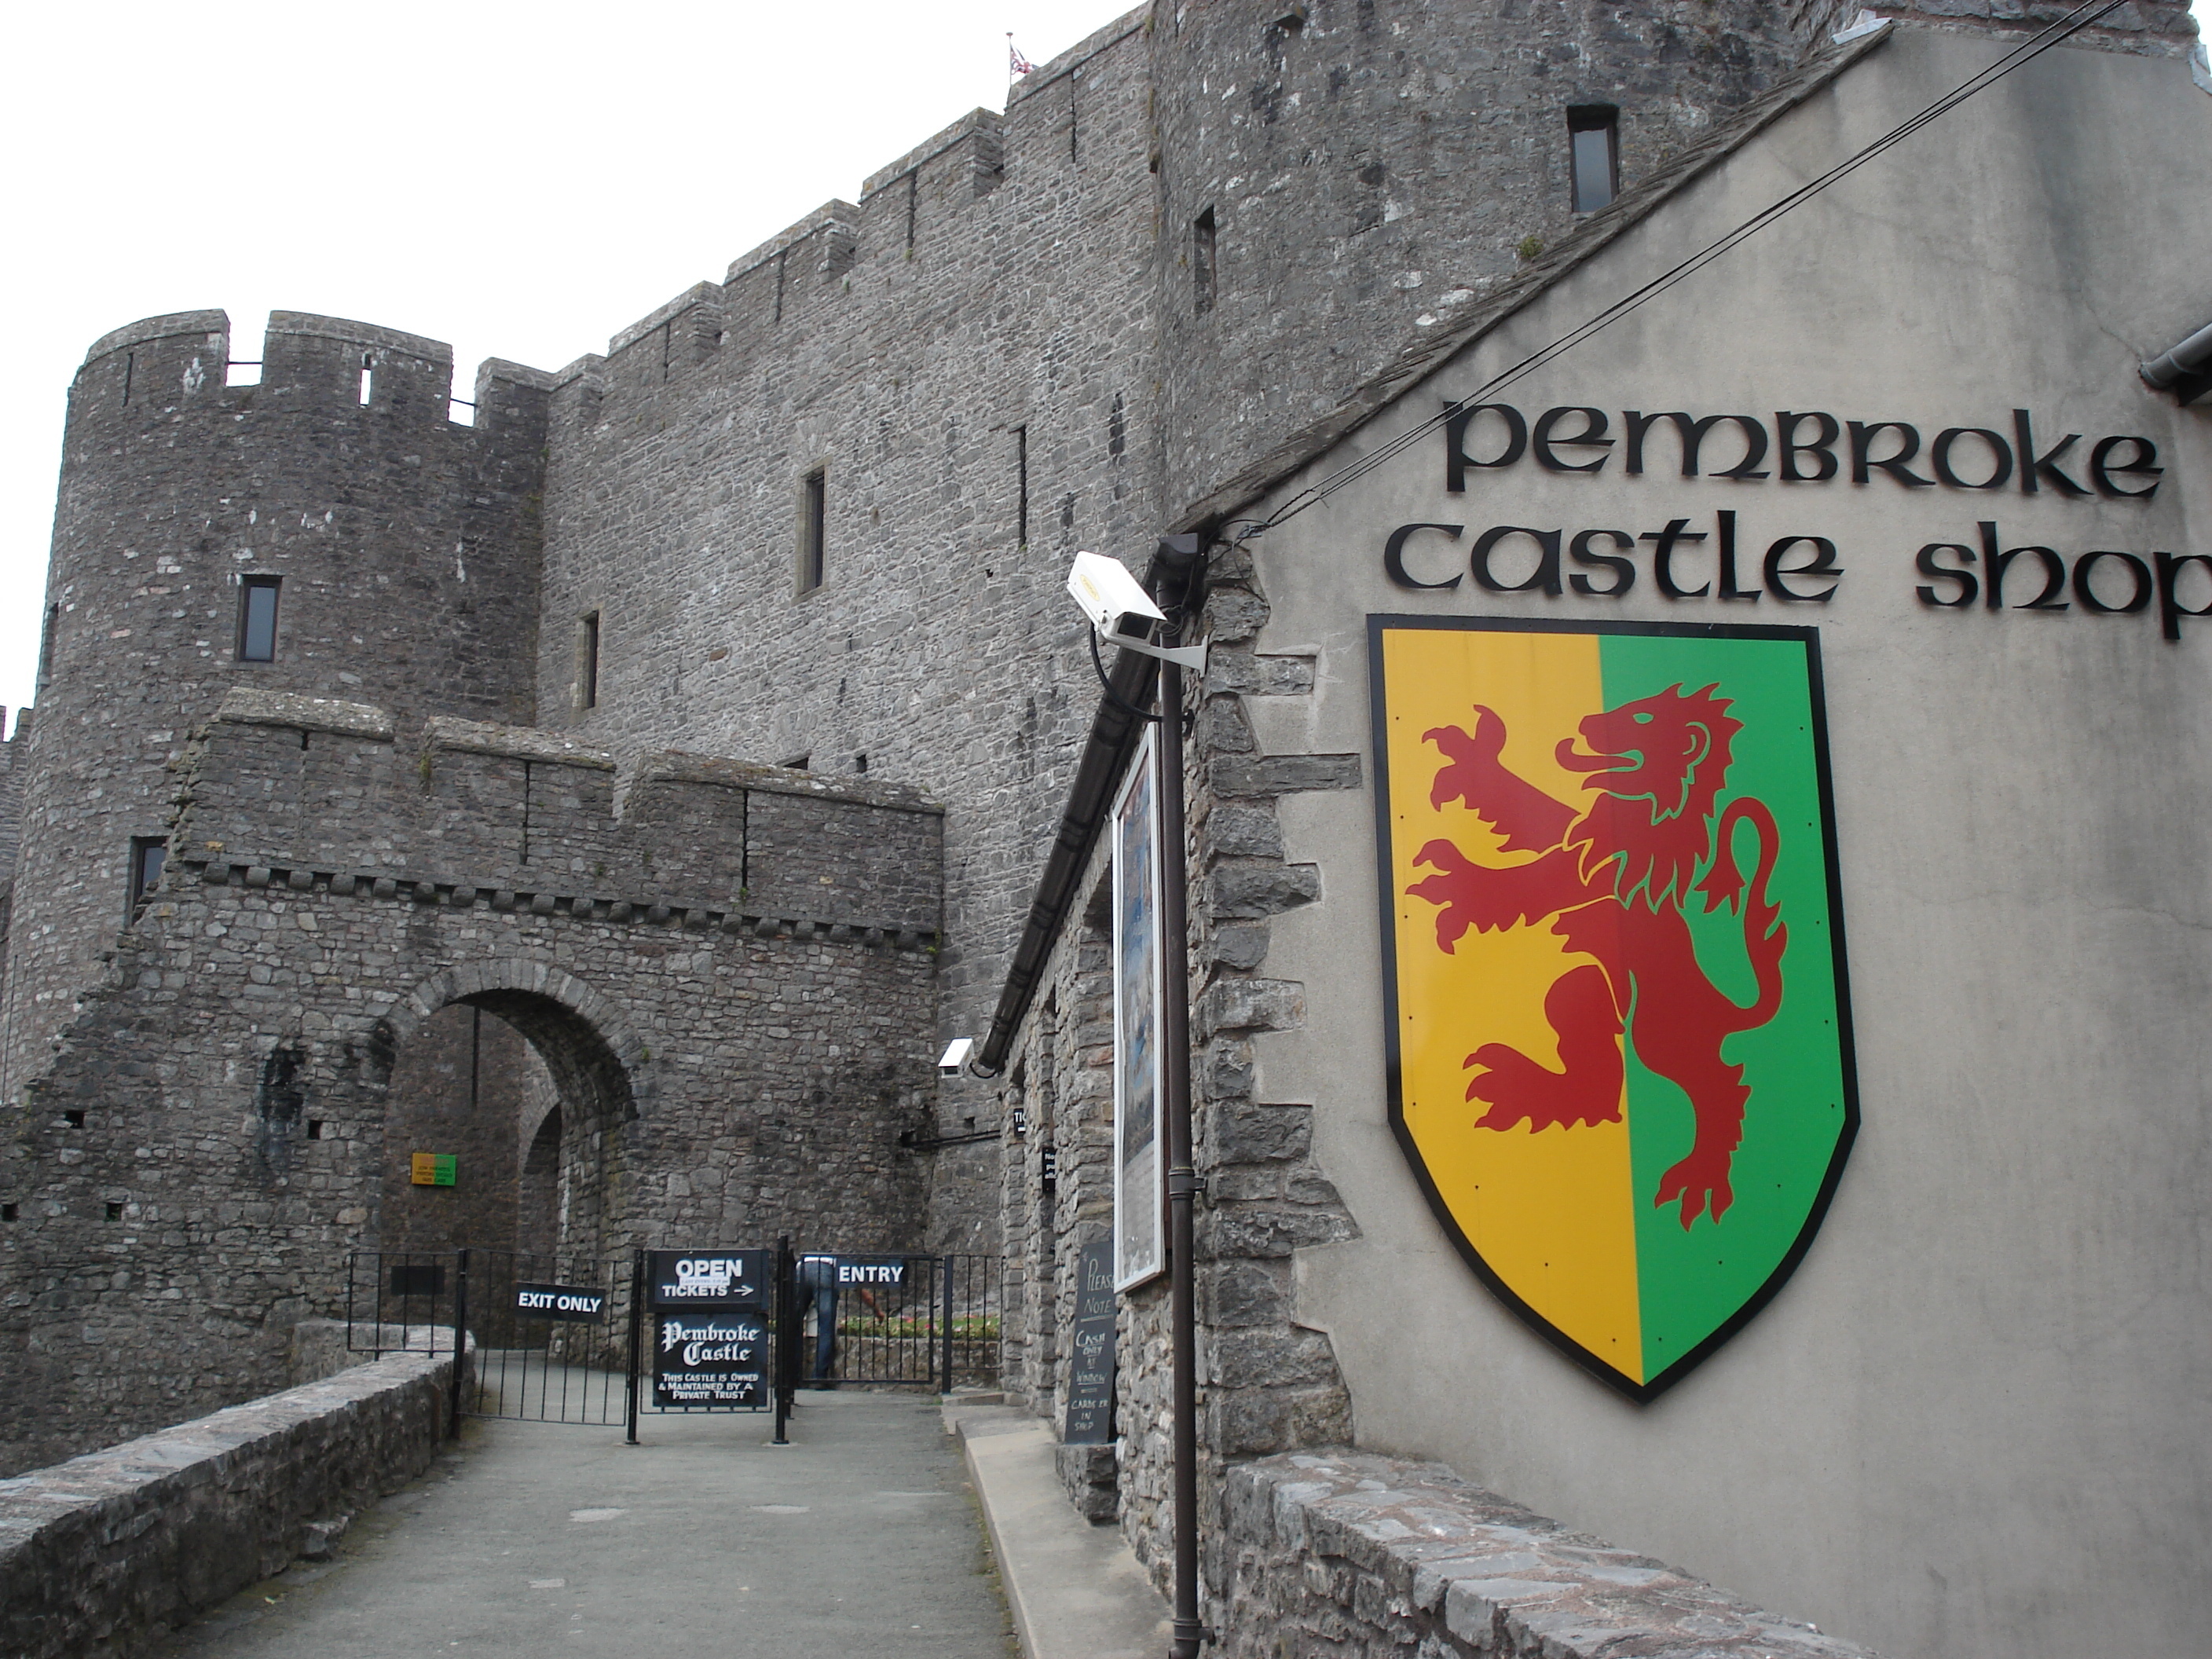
{"points": [[1728, 558], [1802, 446]]}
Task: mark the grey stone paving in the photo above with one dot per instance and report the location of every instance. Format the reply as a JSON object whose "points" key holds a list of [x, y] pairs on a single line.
{"points": [[542, 1540]]}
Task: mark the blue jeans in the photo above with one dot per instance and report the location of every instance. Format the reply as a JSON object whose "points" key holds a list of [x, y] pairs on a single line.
{"points": [[825, 1330]]}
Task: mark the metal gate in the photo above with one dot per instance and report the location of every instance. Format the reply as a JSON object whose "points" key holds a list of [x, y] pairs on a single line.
{"points": [[553, 1336], [567, 1339], [895, 1318], [555, 1339]]}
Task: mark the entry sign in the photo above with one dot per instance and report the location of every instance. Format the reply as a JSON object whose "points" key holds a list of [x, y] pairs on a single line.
{"points": [[433, 1169], [1090, 1383], [697, 1279], [713, 1358], [870, 1271], [569, 1302]]}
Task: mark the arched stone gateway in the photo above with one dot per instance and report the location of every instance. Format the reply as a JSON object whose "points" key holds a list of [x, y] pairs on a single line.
{"points": [[487, 1058], [710, 1019]]}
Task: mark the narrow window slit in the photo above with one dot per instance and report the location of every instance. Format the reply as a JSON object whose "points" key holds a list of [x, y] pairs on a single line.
{"points": [[587, 661], [1202, 251], [1021, 486], [257, 619], [148, 854], [1593, 155], [813, 530]]}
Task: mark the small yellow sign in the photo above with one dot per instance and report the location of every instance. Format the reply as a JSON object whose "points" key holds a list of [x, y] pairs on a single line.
{"points": [[434, 1169]]}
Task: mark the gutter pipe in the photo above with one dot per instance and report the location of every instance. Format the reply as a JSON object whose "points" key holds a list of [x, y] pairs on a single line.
{"points": [[2191, 361]]}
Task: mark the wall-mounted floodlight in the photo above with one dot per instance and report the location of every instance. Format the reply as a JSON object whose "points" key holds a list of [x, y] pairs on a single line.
{"points": [[955, 1056], [2185, 370], [1123, 613]]}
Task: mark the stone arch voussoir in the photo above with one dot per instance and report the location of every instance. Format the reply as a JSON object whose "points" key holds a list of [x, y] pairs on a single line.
{"points": [[486, 979]]}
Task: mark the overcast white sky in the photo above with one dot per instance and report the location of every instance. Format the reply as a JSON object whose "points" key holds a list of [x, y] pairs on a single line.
{"points": [[521, 180]]}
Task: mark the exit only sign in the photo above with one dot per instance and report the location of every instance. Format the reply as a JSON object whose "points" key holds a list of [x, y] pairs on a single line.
{"points": [[434, 1169]]}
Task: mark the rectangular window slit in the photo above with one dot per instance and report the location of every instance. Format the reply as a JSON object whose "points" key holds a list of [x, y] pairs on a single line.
{"points": [[813, 530], [115, 1213], [860, 765], [47, 643], [913, 205], [74, 1119], [368, 378], [1201, 263], [257, 619], [1593, 155], [1021, 486], [130, 368], [148, 854], [315, 1128], [8, 1212], [587, 661]]}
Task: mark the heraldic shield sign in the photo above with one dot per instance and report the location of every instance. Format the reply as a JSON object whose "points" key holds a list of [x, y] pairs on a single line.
{"points": [[1619, 1046]]}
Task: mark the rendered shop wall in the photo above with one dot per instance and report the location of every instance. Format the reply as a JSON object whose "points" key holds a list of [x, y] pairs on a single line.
{"points": [[1973, 1422]]}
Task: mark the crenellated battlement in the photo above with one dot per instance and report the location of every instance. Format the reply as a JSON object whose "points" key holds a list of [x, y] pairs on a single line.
{"points": [[160, 363], [904, 207], [324, 795]]}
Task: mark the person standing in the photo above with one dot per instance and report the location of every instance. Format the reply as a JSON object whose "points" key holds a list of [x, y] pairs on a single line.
{"points": [[819, 1275]]}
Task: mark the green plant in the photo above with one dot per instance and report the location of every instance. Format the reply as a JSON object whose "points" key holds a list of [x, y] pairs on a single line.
{"points": [[1531, 246]]}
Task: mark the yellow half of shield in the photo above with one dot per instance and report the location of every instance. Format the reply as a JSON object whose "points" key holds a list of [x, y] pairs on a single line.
{"points": [[1549, 1211]]}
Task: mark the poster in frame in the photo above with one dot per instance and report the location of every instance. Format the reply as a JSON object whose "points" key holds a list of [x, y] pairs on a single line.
{"points": [[1139, 1070]]}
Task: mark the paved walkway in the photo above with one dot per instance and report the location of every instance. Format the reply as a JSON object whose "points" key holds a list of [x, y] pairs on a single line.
{"points": [[705, 1542]]}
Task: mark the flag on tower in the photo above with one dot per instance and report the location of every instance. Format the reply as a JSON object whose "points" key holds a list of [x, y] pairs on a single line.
{"points": [[1016, 64]]}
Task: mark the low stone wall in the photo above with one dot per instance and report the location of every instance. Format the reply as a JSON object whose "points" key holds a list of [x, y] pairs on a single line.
{"points": [[323, 1347], [1347, 1555], [101, 1554]]}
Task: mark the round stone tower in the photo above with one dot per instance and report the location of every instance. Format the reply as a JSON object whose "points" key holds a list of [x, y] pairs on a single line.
{"points": [[329, 531]]}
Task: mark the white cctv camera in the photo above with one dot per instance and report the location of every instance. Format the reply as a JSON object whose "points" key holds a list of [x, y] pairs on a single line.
{"points": [[1123, 612], [955, 1056]]}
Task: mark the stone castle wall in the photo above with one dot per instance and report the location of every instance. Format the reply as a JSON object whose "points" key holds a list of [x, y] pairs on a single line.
{"points": [[730, 987], [966, 356], [406, 547]]}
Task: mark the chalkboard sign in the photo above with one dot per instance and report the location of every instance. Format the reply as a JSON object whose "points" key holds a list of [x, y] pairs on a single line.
{"points": [[1090, 1370], [710, 1358]]}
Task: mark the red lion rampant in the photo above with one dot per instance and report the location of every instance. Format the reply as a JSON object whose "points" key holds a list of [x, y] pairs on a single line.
{"points": [[1611, 882]]}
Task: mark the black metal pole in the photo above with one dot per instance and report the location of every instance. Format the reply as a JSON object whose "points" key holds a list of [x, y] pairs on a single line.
{"points": [[636, 1334], [460, 1341], [1182, 1178], [947, 1298], [783, 1358]]}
